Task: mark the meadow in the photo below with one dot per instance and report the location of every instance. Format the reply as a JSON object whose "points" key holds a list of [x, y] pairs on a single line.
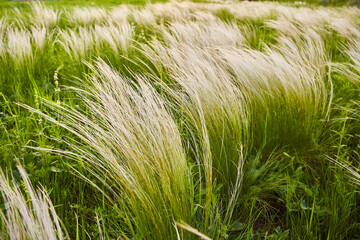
{"points": [[179, 120]]}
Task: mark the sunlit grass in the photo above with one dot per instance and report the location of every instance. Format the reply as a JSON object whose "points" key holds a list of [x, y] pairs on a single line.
{"points": [[179, 120]]}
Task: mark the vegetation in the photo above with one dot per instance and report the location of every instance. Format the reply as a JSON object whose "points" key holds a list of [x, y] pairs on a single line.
{"points": [[179, 120]]}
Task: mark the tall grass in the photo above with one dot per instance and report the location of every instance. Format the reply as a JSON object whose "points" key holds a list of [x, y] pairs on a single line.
{"points": [[42, 16], [206, 33], [131, 143], [77, 44], [19, 46], [118, 36], [187, 120], [28, 214], [85, 16], [348, 160]]}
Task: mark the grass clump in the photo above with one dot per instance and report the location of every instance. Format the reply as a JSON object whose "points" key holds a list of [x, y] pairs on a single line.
{"points": [[180, 120]]}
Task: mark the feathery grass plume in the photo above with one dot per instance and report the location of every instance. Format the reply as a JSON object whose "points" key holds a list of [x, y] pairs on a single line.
{"points": [[39, 37], [42, 16], [201, 16], [76, 43], [351, 70], [312, 18], [117, 35], [244, 10], [295, 29], [173, 11], [286, 89], [215, 113], [204, 33], [143, 17], [348, 27], [345, 27], [284, 26], [18, 17], [119, 14], [169, 12], [305, 45], [19, 45], [30, 216], [349, 12], [129, 138], [307, 17], [287, 80], [86, 16]]}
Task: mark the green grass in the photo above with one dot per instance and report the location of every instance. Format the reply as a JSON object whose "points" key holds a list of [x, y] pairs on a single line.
{"points": [[191, 133]]}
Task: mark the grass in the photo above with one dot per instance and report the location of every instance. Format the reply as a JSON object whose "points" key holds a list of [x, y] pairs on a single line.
{"points": [[179, 120], [38, 221]]}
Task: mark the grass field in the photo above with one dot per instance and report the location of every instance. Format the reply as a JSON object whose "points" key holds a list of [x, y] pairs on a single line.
{"points": [[179, 120]]}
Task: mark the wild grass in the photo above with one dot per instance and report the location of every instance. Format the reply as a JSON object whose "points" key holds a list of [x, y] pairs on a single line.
{"points": [[179, 120], [126, 144], [42, 16], [85, 16], [77, 44], [37, 220], [19, 46], [117, 36]]}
